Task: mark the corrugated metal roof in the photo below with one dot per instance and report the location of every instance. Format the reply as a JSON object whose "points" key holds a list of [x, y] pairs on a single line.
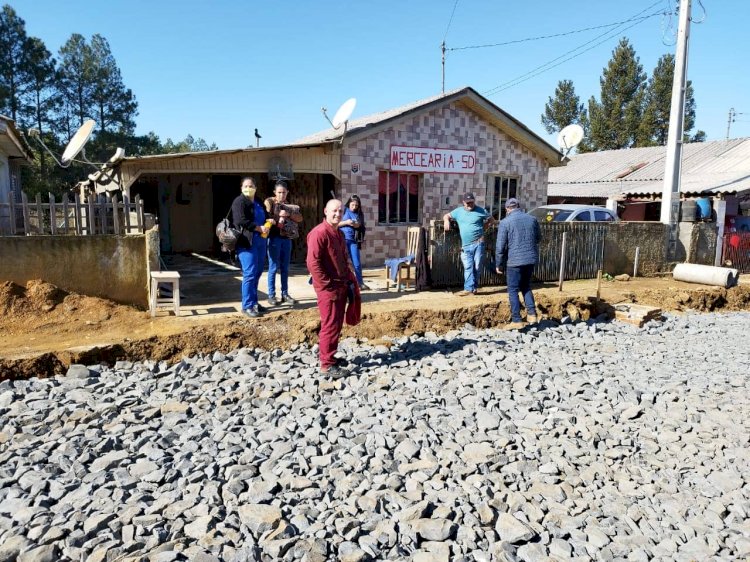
{"points": [[714, 167]]}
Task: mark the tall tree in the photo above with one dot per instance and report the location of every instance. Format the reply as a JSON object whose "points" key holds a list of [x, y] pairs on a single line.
{"points": [[654, 127], [13, 67], [41, 97], [614, 120], [114, 104], [564, 109], [75, 80]]}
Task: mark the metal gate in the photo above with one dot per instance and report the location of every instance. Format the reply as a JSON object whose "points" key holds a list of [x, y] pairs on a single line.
{"points": [[736, 251], [584, 253]]}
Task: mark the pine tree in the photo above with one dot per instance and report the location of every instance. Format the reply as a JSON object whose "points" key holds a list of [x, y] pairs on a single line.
{"points": [[13, 67], [114, 104], [654, 127], [564, 109], [614, 120], [75, 80]]}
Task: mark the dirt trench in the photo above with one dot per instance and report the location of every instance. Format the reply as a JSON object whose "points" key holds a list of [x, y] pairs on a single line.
{"points": [[41, 310]]}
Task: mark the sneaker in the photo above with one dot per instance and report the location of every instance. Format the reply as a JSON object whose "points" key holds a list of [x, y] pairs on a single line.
{"points": [[532, 319], [515, 326], [364, 287], [463, 293], [260, 307], [289, 300], [273, 301], [251, 312], [334, 372]]}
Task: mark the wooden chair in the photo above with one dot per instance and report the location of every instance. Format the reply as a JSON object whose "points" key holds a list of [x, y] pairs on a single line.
{"points": [[404, 277], [172, 277]]}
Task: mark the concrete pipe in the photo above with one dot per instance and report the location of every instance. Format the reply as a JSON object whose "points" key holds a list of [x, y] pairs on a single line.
{"points": [[706, 275]]}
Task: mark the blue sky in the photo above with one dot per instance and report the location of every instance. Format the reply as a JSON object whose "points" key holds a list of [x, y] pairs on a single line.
{"points": [[220, 69]]}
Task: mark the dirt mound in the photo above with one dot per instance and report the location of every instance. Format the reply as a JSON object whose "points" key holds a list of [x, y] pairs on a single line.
{"points": [[46, 329]]}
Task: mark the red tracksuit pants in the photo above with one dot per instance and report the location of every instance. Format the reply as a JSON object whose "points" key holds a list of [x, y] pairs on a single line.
{"points": [[332, 308]]}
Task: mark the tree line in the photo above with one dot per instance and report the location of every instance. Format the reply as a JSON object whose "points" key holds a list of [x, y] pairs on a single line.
{"points": [[632, 109], [56, 95]]}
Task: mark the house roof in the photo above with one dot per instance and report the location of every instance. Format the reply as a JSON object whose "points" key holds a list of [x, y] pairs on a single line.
{"points": [[363, 126], [708, 168], [12, 142]]}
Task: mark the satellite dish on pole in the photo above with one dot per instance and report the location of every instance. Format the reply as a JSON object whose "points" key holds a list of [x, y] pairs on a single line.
{"points": [[77, 142], [570, 137], [342, 115]]}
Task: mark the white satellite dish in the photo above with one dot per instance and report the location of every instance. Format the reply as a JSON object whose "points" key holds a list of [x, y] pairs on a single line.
{"points": [[570, 137], [344, 112], [77, 143]]}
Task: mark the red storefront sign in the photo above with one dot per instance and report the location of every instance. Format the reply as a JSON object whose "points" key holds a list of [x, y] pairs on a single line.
{"points": [[420, 159]]}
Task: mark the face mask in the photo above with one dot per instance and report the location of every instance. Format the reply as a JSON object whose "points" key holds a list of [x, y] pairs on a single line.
{"points": [[248, 192]]}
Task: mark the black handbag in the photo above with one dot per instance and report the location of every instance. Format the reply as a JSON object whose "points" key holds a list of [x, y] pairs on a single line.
{"points": [[227, 234]]}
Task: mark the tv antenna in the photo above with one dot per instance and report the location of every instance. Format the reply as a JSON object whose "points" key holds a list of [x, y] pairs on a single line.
{"points": [[342, 115], [570, 137]]}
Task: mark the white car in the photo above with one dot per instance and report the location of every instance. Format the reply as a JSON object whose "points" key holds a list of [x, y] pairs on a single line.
{"points": [[573, 213]]}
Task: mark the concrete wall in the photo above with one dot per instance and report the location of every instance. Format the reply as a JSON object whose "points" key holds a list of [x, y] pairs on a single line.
{"points": [[452, 126], [622, 240], [112, 267]]}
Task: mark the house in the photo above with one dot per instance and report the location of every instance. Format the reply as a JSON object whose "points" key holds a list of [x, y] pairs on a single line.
{"points": [[633, 178], [14, 153], [409, 165]]}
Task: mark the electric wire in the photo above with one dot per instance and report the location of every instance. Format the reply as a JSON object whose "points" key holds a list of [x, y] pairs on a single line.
{"points": [[548, 65], [450, 21], [515, 41], [705, 14]]}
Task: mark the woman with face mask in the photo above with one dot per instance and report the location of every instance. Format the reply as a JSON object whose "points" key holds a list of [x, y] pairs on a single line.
{"points": [[352, 225], [249, 216]]}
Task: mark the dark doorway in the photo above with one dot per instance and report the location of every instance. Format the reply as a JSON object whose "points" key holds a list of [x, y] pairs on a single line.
{"points": [[225, 189]]}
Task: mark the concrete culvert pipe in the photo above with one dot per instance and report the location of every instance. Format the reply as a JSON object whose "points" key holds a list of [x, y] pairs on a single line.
{"points": [[706, 275]]}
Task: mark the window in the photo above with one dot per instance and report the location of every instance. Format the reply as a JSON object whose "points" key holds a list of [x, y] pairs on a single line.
{"points": [[398, 197], [499, 190], [603, 216], [583, 216]]}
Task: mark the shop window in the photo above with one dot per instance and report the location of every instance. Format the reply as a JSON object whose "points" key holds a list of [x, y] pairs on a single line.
{"points": [[398, 198], [499, 190]]}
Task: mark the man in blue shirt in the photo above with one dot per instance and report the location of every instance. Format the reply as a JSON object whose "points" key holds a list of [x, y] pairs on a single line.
{"points": [[517, 251], [471, 220]]}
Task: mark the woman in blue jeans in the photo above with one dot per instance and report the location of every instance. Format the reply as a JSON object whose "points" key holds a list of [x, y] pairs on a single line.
{"points": [[353, 227]]}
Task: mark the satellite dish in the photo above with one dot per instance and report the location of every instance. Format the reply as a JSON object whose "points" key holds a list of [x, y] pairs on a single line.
{"points": [[77, 143], [344, 112], [570, 137]]}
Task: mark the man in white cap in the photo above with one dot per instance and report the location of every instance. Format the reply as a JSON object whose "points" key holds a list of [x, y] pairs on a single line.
{"points": [[471, 220], [517, 252]]}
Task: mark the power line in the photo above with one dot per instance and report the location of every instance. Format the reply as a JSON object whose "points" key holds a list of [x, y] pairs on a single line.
{"points": [[549, 65], [450, 21], [618, 23]]}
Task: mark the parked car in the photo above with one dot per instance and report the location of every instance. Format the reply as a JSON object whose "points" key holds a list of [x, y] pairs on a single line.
{"points": [[573, 213]]}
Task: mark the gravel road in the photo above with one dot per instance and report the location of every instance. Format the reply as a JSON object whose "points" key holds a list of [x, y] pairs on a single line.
{"points": [[586, 441]]}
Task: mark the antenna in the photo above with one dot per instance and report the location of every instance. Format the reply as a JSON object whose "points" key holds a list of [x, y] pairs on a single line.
{"points": [[341, 116], [74, 147], [570, 137]]}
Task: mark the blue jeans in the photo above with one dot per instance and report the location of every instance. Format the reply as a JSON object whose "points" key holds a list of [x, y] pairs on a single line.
{"points": [[519, 279], [471, 257], [353, 248], [279, 254], [252, 261]]}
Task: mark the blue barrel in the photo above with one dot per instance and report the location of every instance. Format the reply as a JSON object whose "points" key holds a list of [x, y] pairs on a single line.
{"points": [[704, 208]]}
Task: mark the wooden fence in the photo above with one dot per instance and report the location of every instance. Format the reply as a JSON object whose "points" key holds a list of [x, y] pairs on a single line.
{"points": [[96, 214], [584, 253]]}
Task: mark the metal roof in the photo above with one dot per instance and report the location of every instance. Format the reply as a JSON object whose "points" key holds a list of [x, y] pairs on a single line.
{"points": [[13, 142], [714, 167]]}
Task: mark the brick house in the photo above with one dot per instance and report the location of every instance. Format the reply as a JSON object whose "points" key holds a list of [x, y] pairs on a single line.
{"points": [[409, 165]]}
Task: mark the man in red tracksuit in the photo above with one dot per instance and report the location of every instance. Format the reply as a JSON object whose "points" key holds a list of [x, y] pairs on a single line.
{"points": [[328, 264]]}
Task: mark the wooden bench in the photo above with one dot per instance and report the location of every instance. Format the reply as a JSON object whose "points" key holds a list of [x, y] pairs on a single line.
{"points": [[404, 276], [156, 301]]}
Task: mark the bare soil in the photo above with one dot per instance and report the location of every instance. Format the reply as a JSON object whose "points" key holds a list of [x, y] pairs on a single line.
{"points": [[46, 329]]}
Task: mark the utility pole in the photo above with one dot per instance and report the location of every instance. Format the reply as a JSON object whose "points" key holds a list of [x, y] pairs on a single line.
{"points": [[732, 114], [670, 200], [442, 47]]}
